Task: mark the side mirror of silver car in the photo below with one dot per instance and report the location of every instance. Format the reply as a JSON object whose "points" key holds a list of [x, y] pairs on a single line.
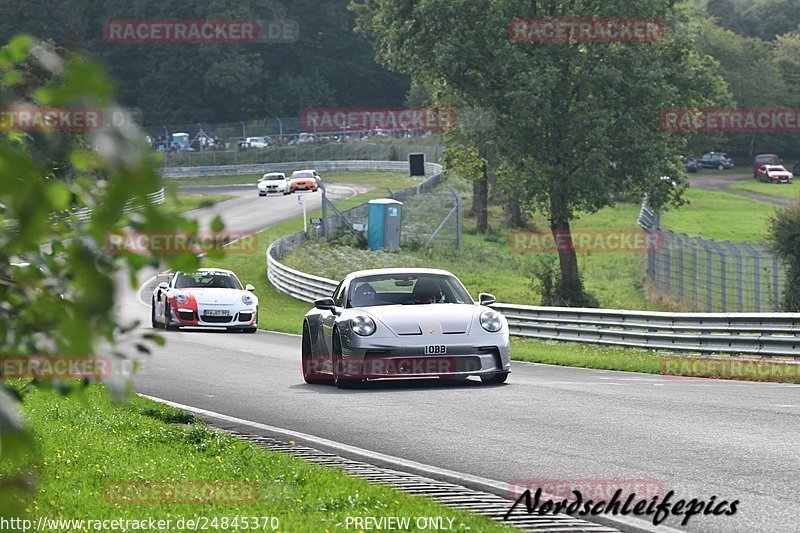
{"points": [[325, 304], [485, 298]]}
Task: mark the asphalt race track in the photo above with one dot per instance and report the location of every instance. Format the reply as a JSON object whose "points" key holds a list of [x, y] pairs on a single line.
{"points": [[700, 438]]}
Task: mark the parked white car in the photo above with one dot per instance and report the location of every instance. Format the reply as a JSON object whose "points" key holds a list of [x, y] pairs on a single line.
{"points": [[255, 142], [273, 182]]}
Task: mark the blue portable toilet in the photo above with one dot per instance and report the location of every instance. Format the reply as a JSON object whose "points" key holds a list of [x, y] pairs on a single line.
{"points": [[383, 224]]}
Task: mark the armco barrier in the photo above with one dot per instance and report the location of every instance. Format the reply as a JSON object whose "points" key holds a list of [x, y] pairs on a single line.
{"points": [[763, 334], [154, 198], [321, 166]]}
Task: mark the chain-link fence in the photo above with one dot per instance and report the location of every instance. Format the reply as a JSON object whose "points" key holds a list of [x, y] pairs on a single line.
{"points": [[716, 276], [388, 150], [710, 275], [283, 139], [431, 216]]}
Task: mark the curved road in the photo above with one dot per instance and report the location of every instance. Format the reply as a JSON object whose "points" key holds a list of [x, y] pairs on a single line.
{"points": [[720, 182], [700, 438]]}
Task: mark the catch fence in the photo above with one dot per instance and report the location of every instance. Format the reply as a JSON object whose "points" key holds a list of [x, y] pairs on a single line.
{"points": [[710, 275], [431, 215]]}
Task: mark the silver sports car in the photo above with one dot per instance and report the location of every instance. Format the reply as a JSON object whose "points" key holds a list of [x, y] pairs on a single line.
{"points": [[403, 323]]}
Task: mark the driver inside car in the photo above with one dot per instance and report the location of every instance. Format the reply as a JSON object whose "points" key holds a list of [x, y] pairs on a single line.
{"points": [[364, 296], [427, 291]]}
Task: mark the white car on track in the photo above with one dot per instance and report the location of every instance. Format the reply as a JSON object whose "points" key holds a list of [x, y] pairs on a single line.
{"points": [[273, 182], [209, 297]]}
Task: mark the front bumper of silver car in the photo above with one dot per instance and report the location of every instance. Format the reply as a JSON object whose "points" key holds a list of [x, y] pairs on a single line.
{"points": [[373, 361]]}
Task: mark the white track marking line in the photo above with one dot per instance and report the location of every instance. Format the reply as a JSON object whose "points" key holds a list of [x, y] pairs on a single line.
{"points": [[498, 487]]}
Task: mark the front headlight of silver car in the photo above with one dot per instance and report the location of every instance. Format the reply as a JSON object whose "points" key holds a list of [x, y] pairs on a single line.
{"points": [[362, 325], [491, 321], [181, 298], [247, 299]]}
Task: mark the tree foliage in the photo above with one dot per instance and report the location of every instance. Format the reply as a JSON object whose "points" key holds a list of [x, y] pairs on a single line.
{"points": [[58, 284], [172, 83], [784, 235], [577, 123], [763, 19]]}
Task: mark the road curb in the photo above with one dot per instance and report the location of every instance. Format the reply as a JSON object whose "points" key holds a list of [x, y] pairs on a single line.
{"points": [[493, 487]]}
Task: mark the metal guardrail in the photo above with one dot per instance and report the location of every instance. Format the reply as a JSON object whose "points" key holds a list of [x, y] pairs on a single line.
{"points": [[300, 285], [154, 198], [763, 334], [322, 166]]}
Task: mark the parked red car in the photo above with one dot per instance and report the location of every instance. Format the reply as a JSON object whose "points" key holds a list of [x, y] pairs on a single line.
{"points": [[764, 159], [774, 174]]}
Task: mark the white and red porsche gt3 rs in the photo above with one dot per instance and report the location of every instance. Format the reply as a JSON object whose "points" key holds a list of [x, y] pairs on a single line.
{"points": [[210, 297]]}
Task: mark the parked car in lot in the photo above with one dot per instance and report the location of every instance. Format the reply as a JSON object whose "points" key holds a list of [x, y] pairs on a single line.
{"points": [[716, 160], [403, 323], [255, 142], [764, 159], [307, 180], [209, 297], [304, 138], [774, 174], [273, 182], [690, 164]]}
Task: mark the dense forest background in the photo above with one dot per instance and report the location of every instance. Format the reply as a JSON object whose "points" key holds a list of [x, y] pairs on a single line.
{"points": [[183, 83], [755, 42]]}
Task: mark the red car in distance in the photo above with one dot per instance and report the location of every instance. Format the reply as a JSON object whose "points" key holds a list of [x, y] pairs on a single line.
{"points": [[764, 159], [774, 174]]}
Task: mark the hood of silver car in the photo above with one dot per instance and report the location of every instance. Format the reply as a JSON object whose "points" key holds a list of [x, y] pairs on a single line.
{"points": [[425, 318]]}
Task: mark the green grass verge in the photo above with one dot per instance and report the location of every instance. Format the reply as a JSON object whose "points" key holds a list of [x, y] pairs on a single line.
{"points": [[786, 191], [88, 442], [720, 216], [398, 180], [606, 357], [187, 202]]}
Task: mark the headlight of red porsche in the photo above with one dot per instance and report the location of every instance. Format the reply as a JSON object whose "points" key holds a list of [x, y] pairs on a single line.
{"points": [[181, 298]]}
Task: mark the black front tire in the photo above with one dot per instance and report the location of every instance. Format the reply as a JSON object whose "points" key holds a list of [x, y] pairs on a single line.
{"points": [[341, 383], [167, 314], [495, 379], [309, 375], [153, 322]]}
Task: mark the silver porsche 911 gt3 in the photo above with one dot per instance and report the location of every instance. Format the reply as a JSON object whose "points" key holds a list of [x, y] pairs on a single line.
{"points": [[403, 323]]}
